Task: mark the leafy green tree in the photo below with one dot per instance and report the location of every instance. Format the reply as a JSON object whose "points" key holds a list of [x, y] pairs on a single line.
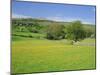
{"points": [[75, 31], [55, 31]]}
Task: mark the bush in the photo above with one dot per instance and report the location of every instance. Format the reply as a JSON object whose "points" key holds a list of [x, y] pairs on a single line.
{"points": [[89, 32], [55, 32]]}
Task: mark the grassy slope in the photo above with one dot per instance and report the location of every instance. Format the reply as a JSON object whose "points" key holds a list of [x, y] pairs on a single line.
{"points": [[32, 55], [23, 35], [86, 42]]}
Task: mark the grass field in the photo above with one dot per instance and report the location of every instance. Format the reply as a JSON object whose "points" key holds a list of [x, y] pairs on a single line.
{"points": [[41, 55]]}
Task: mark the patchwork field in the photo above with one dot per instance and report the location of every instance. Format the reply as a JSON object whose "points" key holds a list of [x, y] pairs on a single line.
{"points": [[42, 55]]}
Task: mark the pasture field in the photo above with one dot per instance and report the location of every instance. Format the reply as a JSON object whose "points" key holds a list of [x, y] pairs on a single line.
{"points": [[31, 55], [45, 41]]}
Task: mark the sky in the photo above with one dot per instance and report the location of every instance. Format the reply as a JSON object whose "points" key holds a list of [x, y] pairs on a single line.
{"points": [[56, 12]]}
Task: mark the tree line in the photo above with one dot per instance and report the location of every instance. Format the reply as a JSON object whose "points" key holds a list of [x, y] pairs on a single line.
{"points": [[75, 31]]}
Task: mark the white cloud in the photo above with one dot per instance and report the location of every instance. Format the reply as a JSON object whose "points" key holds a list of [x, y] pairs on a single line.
{"points": [[20, 16], [67, 19], [59, 18], [54, 18]]}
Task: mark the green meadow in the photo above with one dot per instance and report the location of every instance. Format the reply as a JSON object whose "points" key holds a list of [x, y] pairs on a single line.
{"points": [[38, 47], [51, 37], [42, 55]]}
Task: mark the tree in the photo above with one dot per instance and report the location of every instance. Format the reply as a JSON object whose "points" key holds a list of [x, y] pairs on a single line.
{"points": [[89, 31], [75, 31], [55, 31], [34, 27]]}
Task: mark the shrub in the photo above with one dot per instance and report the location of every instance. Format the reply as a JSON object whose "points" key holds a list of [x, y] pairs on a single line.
{"points": [[55, 31]]}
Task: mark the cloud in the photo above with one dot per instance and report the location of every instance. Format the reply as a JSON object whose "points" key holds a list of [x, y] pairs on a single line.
{"points": [[60, 18], [20, 16], [68, 19]]}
